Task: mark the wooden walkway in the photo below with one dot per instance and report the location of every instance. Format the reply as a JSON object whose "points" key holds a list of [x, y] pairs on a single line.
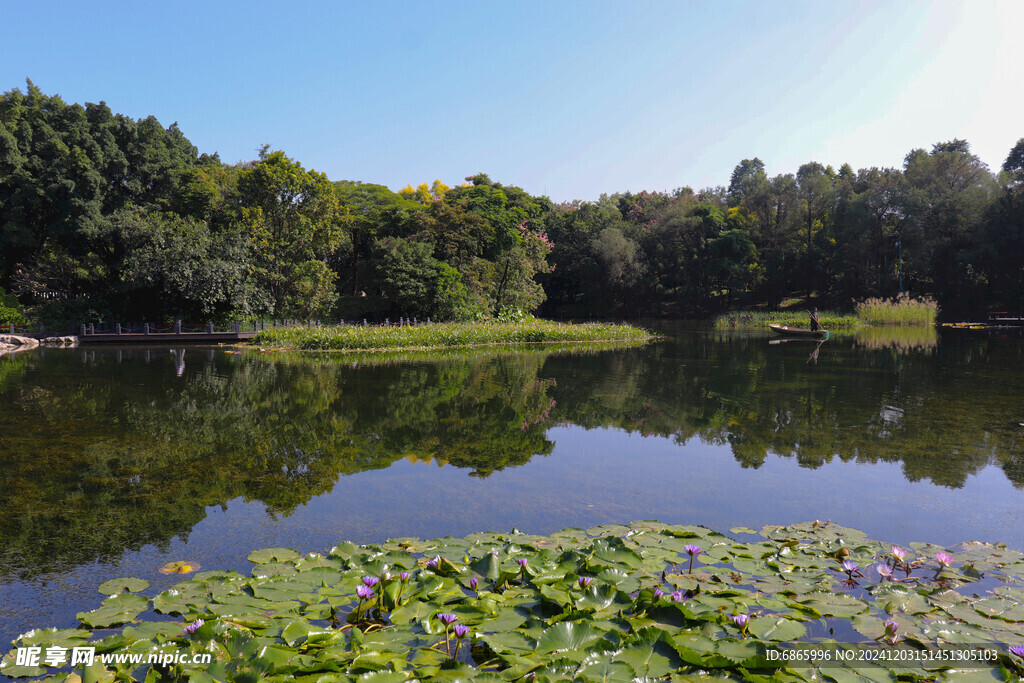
{"points": [[166, 338]]}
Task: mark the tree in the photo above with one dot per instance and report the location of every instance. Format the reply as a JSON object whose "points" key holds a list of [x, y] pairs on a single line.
{"points": [[948, 191], [416, 283], [816, 200], [292, 217], [179, 265]]}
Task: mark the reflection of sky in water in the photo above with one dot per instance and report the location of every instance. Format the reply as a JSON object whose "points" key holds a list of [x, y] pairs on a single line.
{"points": [[593, 477], [945, 414]]}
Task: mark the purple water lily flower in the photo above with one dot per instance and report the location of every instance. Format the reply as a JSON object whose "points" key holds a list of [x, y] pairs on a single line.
{"points": [[460, 630], [522, 562], [884, 570], [193, 627], [1017, 650], [692, 551], [899, 553], [741, 620], [677, 596], [446, 618], [405, 576], [473, 582], [891, 627], [945, 559], [851, 568], [434, 562], [658, 593], [364, 592], [584, 581], [370, 581], [385, 575]]}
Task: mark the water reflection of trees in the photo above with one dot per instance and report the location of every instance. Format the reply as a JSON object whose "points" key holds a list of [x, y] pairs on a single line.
{"points": [[942, 414], [113, 455], [100, 456]]}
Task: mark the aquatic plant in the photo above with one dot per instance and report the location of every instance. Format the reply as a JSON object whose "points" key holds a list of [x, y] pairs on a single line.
{"points": [[901, 310], [439, 335], [692, 551], [594, 609]]}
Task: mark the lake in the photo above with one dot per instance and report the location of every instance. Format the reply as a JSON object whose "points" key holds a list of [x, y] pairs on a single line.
{"points": [[116, 461]]}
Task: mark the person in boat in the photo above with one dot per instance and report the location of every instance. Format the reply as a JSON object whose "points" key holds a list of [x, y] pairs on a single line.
{"points": [[815, 323]]}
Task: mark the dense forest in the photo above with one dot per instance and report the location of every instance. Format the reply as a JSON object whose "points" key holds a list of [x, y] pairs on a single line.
{"points": [[104, 217]]}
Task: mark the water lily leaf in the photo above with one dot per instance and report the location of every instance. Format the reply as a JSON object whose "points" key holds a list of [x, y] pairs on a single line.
{"points": [[487, 566], [117, 609], [844, 674], [567, 636], [298, 632], [618, 578], [738, 651], [620, 557], [1001, 608], [835, 604], [412, 610], [600, 597], [911, 604], [512, 641], [506, 620], [157, 630], [267, 555], [125, 585], [776, 628], [651, 661], [597, 668], [62, 637], [384, 677]]}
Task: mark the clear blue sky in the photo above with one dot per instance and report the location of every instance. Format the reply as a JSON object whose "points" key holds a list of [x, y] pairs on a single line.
{"points": [[568, 99]]}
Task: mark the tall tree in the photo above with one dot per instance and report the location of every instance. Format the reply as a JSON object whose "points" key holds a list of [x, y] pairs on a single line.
{"points": [[292, 217]]}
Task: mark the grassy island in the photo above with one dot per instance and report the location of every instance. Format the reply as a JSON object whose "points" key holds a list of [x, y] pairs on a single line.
{"points": [[442, 335], [612, 603]]}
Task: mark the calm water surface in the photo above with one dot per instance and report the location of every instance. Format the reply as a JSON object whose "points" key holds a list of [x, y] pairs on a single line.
{"points": [[113, 462]]}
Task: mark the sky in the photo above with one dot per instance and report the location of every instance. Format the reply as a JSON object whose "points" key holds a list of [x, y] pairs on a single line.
{"points": [[568, 99]]}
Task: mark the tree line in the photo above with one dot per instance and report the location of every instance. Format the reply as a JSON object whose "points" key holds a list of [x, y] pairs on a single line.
{"points": [[107, 217]]}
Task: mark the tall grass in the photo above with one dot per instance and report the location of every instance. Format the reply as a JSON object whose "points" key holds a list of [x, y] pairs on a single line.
{"points": [[759, 320], [903, 310], [439, 335]]}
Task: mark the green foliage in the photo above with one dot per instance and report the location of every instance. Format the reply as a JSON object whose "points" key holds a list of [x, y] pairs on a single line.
{"points": [[292, 218], [11, 312], [179, 265], [903, 310], [417, 283], [942, 224], [577, 605]]}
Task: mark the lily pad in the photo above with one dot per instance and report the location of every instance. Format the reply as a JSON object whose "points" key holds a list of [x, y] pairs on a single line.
{"points": [[125, 585]]}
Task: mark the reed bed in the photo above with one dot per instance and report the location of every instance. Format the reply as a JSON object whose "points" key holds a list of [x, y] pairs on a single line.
{"points": [[903, 310], [759, 320], [442, 335]]}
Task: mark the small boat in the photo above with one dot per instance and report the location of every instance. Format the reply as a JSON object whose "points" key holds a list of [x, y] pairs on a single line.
{"points": [[798, 332]]}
